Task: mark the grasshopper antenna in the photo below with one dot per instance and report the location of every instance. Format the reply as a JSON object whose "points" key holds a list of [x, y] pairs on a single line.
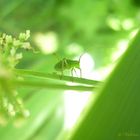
{"points": [[81, 57]]}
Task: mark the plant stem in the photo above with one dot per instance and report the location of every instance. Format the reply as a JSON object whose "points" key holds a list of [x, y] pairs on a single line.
{"points": [[51, 85], [56, 77]]}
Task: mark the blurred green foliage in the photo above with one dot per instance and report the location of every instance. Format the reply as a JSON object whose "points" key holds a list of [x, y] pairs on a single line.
{"points": [[96, 25], [80, 21]]}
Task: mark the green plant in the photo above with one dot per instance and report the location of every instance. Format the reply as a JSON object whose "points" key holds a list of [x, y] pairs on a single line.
{"points": [[102, 29], [11, 105]]}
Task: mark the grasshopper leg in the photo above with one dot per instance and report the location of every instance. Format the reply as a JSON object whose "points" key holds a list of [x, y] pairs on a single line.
{"points": [[72, 73], [75, 72]]}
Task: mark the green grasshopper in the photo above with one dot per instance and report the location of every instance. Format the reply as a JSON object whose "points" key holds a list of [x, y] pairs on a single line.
{"points": [[67, 64]]}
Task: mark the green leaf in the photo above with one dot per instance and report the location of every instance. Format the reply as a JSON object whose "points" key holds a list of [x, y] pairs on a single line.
{"points": [[115, 113]]}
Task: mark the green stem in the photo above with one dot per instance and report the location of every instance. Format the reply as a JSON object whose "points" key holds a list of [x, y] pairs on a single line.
{"points": [[51, 86], [56, 77]]}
